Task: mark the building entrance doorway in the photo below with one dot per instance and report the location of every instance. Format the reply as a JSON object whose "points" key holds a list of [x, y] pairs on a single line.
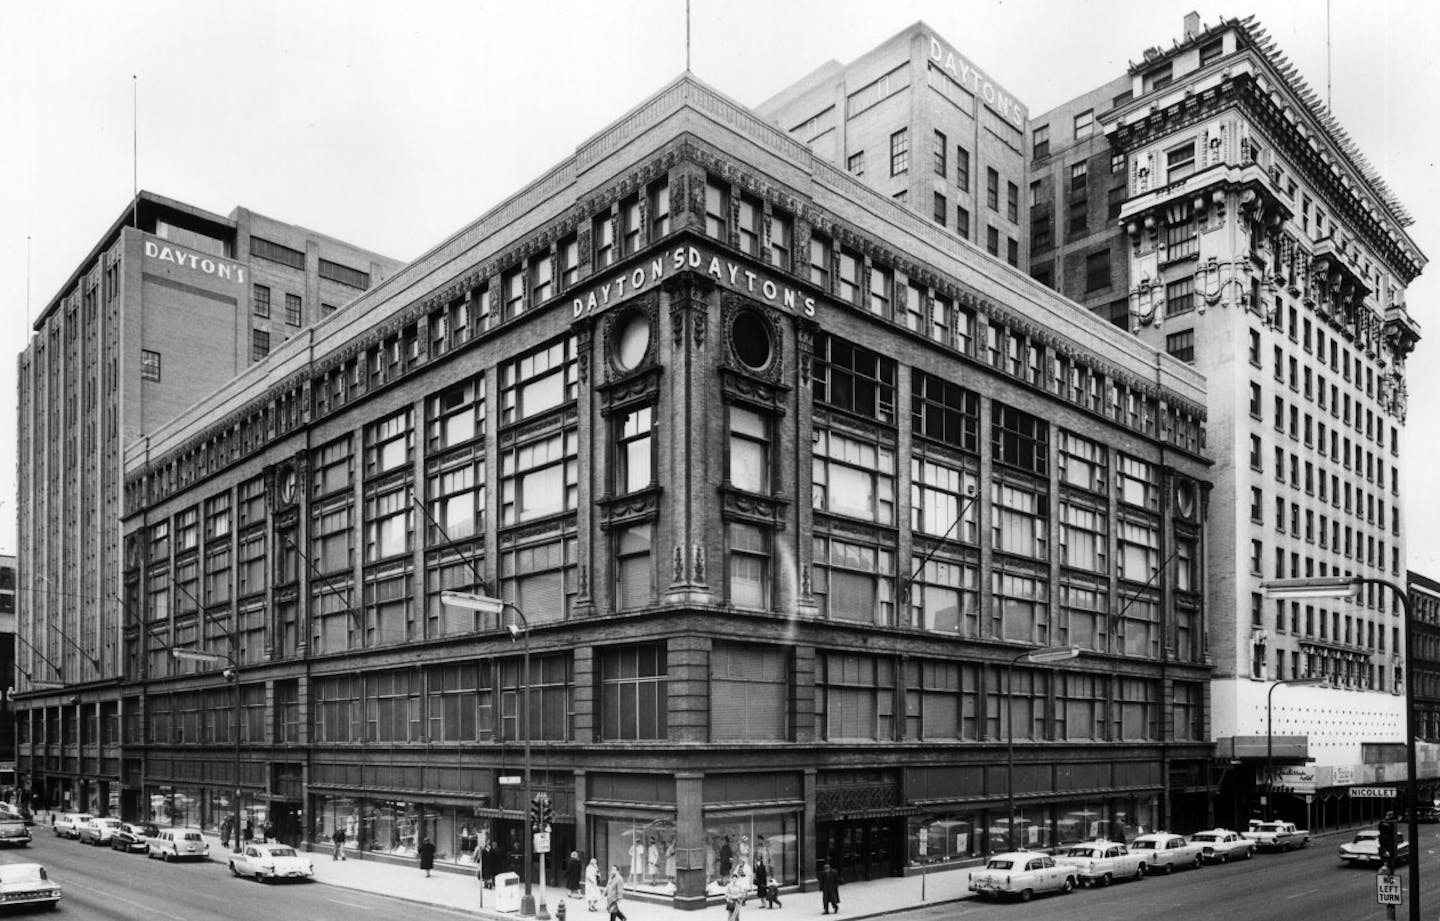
{"points": [[861, 849]]}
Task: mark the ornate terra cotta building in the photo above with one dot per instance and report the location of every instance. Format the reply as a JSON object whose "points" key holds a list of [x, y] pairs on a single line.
{"points": [[785, 481]]}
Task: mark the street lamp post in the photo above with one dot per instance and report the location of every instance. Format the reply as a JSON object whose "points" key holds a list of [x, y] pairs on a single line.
{"points": [[232, 674], [1037, 656], [487, 604], [1270, 738], [1349, 587]]}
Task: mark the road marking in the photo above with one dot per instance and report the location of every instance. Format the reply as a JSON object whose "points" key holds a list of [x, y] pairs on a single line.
{"points": [[110, 895], [351, 904], [1298, 894]]}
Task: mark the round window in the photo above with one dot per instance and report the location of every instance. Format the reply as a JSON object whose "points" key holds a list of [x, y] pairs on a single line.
{"points": [[750, 337], [633, 341]]}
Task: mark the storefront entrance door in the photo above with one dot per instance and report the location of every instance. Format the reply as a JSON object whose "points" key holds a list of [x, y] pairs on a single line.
{"points": [[862, 849]]}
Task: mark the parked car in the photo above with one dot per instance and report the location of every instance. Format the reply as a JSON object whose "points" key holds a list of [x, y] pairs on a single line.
{"points": [[1021, 874], [1365, 848], [1428, 812], [133, 838], [178, 844], [27, 884], [1099, 863], [67, 824], [14, 811], [1276, 836], [14, 832], [98, 830], [1164, 852], [1219, 845], [271, 862]]}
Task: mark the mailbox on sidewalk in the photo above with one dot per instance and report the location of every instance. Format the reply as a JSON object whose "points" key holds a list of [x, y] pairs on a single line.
{"points": [[507, 892]]}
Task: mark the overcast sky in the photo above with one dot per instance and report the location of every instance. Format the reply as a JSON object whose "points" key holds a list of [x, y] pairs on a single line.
{"points": [[391, 126]]}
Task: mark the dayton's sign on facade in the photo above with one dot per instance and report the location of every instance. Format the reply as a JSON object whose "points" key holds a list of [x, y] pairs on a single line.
{"points": [[165, 251], [973, 79], [725, 272]]}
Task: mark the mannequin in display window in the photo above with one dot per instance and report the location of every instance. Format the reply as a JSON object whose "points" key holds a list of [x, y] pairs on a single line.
{"points": [[637, 860], [652, 860]]}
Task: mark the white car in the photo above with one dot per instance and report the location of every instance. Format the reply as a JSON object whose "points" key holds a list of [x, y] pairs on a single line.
{"points": [[67, 824], [1099, 863], [271, 862], [27, 884], [1219, 845], [1021, 874], [97, 831], [1164, 852], [1365, 848], [178, 844]]}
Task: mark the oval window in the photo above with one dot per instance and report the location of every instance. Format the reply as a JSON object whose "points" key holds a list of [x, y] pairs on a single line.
{"points": [[633, 341], [750, 337]]}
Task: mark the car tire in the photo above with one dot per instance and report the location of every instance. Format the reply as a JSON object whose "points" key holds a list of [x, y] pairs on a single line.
{"points": [[1104, 880], [1069, 885], [1197, 863], [1025, 894], [1140, 872], [1169, 868], [233, 871]]}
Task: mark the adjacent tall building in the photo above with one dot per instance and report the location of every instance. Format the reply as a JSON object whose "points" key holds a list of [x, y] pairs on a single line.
{"points": [[170, 304], [782, 487], [1246, 235], [922, 123]]}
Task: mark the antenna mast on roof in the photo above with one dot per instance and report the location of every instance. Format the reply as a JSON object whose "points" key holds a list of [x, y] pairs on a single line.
{"points": [[135, 151], [687, 36], [1327, 55]]}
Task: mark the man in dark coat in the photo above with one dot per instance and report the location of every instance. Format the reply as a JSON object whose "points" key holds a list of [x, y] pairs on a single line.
{"points": [[572, 874], [427, 855], [487, 865], [830, 889]]}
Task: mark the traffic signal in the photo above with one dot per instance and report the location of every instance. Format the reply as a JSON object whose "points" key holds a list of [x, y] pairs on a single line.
{"points": [[1387, 840], [541, 815]]}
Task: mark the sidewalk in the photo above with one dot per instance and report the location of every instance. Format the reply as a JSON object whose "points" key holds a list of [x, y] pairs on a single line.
{"points": [[461, 891]]}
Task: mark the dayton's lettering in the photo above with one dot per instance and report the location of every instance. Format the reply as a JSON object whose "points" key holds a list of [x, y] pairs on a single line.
{"points": [[220, 268], [732, 275], [972, 79]]}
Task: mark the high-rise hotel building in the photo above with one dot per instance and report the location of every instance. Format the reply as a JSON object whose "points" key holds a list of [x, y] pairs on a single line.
{"points": [[1247, 236], [786, 485], [170, 303]]}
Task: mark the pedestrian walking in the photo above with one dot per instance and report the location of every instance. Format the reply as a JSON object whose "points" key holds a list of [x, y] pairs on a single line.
{"points": [[592, 884], [427, 855], [338, 839], [830, 889], [734, 897], [765, 888], [572, 874], [614, 890]]}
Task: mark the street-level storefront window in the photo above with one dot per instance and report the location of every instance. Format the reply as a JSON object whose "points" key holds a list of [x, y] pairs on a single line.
{"points": [[939, 837], [734, 842], [396, 827], [643, 847]]}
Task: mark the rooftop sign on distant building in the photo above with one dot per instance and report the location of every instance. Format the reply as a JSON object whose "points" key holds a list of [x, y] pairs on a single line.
{"points": [[165, 251], [973, 79]]}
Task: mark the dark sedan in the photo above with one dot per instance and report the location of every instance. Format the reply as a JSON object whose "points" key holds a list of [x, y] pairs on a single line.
{"points": [[133, 838]]}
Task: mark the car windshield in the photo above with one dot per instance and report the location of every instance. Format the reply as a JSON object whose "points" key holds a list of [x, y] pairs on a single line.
{"points": [[1143, 846], [192, 836], [1080, 852], [1202, 838], [282, 852], [1000, 864]]}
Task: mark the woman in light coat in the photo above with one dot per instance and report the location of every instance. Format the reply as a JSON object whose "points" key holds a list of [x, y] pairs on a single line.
{"points": [[592, 884]]}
